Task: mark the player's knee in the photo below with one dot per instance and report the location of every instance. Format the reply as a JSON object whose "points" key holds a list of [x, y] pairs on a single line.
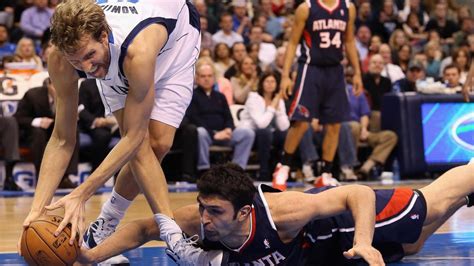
{"points": [[160, 147]]}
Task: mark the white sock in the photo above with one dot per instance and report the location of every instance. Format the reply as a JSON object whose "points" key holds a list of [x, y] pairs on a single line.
{"points": [[115, 207]]}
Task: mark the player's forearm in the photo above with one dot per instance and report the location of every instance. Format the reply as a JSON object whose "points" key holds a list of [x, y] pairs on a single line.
{"points": [[115, 160], [289, 58], [55, 161], [128, 237], [353, 57], [361, 202]]}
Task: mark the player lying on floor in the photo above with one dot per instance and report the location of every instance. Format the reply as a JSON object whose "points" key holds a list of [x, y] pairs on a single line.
{"points": [[239, 224]]}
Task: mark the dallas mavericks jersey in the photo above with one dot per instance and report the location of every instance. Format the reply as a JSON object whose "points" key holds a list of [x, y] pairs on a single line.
{"points": [[127, 18], [263, 246], [323, 35]]}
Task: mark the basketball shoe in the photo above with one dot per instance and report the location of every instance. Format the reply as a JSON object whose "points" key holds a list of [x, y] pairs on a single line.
{"points": [[324, 180], [99, 230], [280, 176]]}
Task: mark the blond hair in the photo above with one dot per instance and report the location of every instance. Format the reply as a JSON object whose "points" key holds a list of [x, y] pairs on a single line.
{"points": [[74, 19]]}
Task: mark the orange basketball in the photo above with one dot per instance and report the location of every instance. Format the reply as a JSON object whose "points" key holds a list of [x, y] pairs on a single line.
{"points": [[39, 246]]}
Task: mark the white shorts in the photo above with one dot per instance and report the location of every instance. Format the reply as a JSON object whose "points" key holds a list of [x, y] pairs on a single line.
{"points": [[172, 97]]}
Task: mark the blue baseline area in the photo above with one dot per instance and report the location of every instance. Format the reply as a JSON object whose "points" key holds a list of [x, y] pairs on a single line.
{"points": [[441, 249]]}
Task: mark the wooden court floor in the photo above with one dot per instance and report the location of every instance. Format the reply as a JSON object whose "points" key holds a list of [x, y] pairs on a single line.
{"points": [[14, 210]]}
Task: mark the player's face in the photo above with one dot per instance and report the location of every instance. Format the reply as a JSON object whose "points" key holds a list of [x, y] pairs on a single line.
{"points": [[217, 217], [92, 56]]}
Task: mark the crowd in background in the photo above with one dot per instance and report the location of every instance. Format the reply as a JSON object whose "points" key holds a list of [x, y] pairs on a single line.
{"points": [[403, 46]]}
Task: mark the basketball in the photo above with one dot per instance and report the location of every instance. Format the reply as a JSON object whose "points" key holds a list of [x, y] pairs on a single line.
{"points": [[39, 246]]}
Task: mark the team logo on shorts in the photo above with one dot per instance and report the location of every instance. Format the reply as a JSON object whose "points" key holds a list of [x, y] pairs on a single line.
{"points": [[415, 217], [302, 110]]}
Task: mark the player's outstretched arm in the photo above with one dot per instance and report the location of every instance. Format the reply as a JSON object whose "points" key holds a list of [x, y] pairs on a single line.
{"points": [[127, 237], [61, 145], [293, 210], [301, 15]]}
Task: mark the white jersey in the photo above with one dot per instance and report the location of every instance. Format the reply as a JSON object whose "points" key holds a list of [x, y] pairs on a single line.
{"points": [[174, 69], [127, 18]]}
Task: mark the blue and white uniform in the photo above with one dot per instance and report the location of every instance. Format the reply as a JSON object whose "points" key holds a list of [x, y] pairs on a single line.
{"points": [[174, 70]]}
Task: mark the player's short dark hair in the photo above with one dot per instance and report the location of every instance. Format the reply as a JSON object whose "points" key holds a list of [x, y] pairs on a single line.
{"points": [[229, 182]]}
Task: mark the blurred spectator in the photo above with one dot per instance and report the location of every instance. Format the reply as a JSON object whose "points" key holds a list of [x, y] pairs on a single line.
{"points": [[241, 22], [387, 20], [210, 112], [239, 51], [451, 76], [36, 19], [374, 83], [246, 81], [414, 30], [444, 26], [265, 113], [467, 27], [462, 59], [415, 72], [433, 54], [222, 59], [277, 65], [382, 142], [7, 12], [261, 21], [53, 3], [222, 84], [364, 15], [206, 37], [287, 27], [390, 71], [92, 121], [463, 13], [205, 52], [363, 36], [267, 51], [403, 57], [273, 26], [252, 51], [374, 47], [397, 39], [414, 6], [25, 52], [226, 34], [35, 115], [9, 141], [212, 22], [6, 48]]}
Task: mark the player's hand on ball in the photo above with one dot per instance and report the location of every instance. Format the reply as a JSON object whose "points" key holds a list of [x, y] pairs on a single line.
{"points": [[74, 213], [32, 216], [368, 253], [286, 88]]}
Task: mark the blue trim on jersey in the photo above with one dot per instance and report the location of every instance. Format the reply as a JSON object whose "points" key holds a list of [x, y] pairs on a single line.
{"points": [[168, 23], [111, 37], [194, 16]]}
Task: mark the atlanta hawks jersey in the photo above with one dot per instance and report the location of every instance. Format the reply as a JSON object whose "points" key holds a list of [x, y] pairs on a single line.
{"points": [[263, 245], [323, 35]]}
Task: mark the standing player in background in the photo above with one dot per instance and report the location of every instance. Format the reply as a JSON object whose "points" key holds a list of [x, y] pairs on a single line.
{"points": [[322, 27], [142, 53]]}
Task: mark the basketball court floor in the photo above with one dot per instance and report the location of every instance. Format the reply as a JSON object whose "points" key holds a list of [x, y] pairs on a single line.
{"points": [[453, 243]]}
